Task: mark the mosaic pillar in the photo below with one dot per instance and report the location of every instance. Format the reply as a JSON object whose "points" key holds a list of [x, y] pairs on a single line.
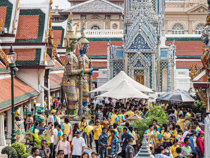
{"points": [[126, 63], [153, 76], [21, 114], [2, 131], [9, 124]]}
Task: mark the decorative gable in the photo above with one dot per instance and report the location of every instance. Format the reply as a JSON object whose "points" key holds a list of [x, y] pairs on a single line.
{"points": [[200, 10], [58, 35], [5, 13], [139, 43], [95, 17]]}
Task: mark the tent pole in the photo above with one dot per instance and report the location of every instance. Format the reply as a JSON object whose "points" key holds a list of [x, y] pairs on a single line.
{"points": [[124, 100]]}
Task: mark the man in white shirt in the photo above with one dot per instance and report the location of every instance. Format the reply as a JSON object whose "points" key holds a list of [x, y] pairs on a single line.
{"points": [[78, 145], [55, 137], [35, 153], [95, 101]]}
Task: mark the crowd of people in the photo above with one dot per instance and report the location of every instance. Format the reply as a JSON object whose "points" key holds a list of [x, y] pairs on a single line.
{"points": [[112, 132]]}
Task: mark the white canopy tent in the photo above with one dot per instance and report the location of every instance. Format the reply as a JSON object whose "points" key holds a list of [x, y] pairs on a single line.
{"points": [[118, 79], [124, 90]]}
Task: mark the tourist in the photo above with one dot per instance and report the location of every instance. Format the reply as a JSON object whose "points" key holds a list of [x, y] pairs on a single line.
{"points": [[75, 129], [55, 137], [132, 133], [18, 121], [124, 141], [82, 125], [160, 153], [130, 112], [93, 155], [103, 143], [129, 150], [121, 116], [114, 144], [109, 135], [193, 142], [100, 114], [154, 122], [157, 137], [105, 123], [97, 129], [179, 153], [60, 133], [64, 145], [171, 113], [88, 130], [35, 153], [85, 155], [180, 122], [88, 112], [78, 144], [114, 117], [174, 147], [60, 154], [151, 133], [66, 127], [44, 152], [55, 105], [51, 117], [200, 143], [196, 126], [50, 132], [137, 137], [180, 112], [17, 112], [167, 137], [95, 101], [29, 122], [186, 150]]}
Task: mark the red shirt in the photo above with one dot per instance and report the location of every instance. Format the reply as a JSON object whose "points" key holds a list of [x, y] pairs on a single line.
{"points": [[200, 143]]}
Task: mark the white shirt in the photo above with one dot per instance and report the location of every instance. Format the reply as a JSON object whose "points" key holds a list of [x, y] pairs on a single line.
{"points": [[95, 102], [55, 136], [34, 157], [78, 143]]}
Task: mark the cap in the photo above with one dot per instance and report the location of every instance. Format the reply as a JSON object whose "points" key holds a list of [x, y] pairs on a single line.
{"points": [[53, 111], [193, 131], [60, 152], [77, 132], [201, 132]]}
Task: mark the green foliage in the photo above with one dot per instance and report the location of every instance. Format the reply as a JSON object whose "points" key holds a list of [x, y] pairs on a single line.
{"points": [[200, 105], [37, 139], [9, 151], [25, 155], [20, 148], [154, 113]]}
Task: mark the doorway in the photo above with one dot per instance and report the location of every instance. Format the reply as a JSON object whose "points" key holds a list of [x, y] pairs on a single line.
{"points": [[139, 78]]}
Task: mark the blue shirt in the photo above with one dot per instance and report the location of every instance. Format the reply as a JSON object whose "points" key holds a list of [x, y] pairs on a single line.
{"points": [[103, 138], [125, 138], [192, 145], [114, 145], [162, 156]]}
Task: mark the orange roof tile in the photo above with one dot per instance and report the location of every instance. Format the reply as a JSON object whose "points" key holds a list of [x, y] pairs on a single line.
{"points": [[56, 78], [203, 79], [99, 47], [20, 88], [24, 54], [28, 27], [187, 63], [95, 75], [187, 47], [57, 64], [99, 64], [3, 13], [57, 35]]}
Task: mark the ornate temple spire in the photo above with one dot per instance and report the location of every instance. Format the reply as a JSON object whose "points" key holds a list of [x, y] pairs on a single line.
{"points": [[83, 39]]}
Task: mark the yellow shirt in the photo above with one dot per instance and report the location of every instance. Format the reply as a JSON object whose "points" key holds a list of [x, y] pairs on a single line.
{"points": [[88, 113], [175, 112], [129, 113], [16, 113], [60, 135], [98, 132], [120, 117], [133, 135], [173, 150], [167, 135], [113, 119], [66, 128], [180, 122], [149, 135], [109, 139], [83, 125], [173, 132], [88, 130], [157, 139]]}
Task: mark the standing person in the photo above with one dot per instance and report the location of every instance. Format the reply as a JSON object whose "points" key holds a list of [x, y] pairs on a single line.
{"points": [[97, 129], [103, 143], [44, 152], [60, 154], [55, 137], [193, 142], [160, 153], [89, 133], [124, 141], [180, 122], [173, 148], [100, 114], [66, 127], [179, 153], [186, 150], [35, 153], [50, 133], [82, 125], [51, 117], [60, 133], [167, 137], [55, 105], [200, 143], [78, 145], [18, 121], [196, 125], [137, 137], [109, 135], [64, 145], [114, 144], [129, 150], [29, 122]]}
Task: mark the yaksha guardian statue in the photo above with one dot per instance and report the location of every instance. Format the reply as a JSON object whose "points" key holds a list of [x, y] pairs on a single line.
{"points": [[86, 66], [72, 72]]}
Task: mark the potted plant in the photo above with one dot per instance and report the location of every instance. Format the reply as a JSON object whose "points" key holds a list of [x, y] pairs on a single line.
{"points": [[9, 151]]}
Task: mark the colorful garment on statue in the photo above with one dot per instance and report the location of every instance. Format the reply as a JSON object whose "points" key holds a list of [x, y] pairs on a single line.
{"points": [[18, 129]]}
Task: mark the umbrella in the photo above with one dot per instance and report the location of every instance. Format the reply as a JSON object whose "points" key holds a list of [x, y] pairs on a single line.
{"points": [[119, 78], [175, 96], [124, 90]]}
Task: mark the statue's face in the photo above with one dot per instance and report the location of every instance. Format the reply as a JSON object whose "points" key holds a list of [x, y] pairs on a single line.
{"points": [[73, 45], [86, 48]]}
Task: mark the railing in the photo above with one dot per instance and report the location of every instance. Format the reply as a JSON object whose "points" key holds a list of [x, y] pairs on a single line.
{"points": [[104, 33]]}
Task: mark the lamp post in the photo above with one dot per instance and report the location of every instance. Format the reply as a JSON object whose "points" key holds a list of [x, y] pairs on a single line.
{"points": [[11, 57]]}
